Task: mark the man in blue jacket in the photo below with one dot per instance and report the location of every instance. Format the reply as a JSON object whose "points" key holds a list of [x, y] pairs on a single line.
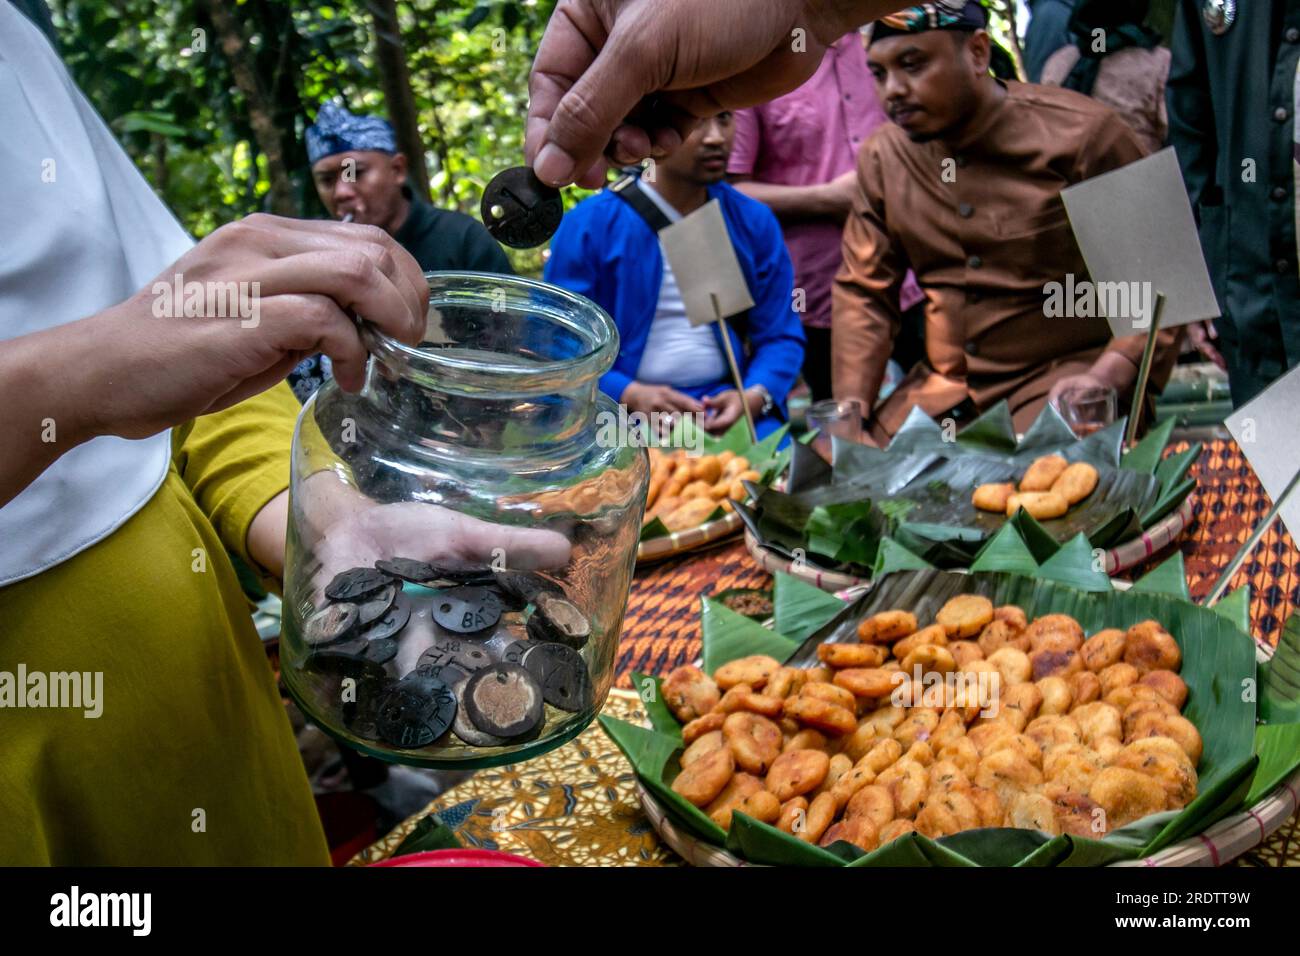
{"points": [[607, 250]]}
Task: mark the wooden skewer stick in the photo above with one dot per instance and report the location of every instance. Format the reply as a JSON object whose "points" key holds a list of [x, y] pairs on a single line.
{"points": [[735, 369], [1144, 371]]}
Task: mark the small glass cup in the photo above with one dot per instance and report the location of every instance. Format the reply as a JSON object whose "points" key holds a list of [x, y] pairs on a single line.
{"points": [[834, 418], [1088, 410]]}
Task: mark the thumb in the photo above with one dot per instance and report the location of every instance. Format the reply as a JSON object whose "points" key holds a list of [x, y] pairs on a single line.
{"points": [[591, 109]]}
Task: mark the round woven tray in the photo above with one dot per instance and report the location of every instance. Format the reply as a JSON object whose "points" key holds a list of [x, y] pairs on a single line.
{"points": [[1221, 843], [680, 542], [1119, 558]]}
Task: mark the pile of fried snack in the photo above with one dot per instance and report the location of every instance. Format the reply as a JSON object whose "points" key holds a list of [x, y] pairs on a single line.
{"points": [[685, 490], [1064, 735], [1050, 487]]}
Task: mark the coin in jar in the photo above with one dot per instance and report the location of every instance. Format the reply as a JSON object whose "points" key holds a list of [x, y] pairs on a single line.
{"points": [[463, 727], [463, 574], [416, 712], [513, 653], [375, 606], [356, 583], [392, 622], [345, 660], [360, 708], [556, 618], [334, 622], [525, 585], [381, 650], [519, 209], [563, 674], [467, 610], [448, 672], [408, 569], [504, 700], [466, 655]]}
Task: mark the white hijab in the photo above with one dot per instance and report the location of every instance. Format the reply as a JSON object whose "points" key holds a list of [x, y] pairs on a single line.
{"points": [[84, 232]]}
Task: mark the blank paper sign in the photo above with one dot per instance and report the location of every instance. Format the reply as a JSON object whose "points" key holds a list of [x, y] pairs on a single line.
{"points": [[705, 265], [1135, 229], [1266, 431]]}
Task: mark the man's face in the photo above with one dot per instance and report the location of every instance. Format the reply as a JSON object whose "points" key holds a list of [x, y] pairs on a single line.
{"points": [[366, 183], [703, 156], [928, 82]]}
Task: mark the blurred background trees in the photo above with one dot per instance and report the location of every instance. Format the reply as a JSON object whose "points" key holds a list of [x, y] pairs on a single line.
{"points": [[212, 97]]}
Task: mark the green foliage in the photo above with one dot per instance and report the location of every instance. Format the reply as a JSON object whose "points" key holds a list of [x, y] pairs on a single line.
{"points": [[158, 74]]}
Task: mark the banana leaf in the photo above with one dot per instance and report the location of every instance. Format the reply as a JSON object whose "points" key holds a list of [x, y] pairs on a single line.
{"points": [[430, 833], [921, 486], [1218, 664], [763, 457], [799, 607]]}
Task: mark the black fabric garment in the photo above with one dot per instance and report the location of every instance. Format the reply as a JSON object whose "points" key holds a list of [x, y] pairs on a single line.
{"points": [[909, 348], [444, 239], [439, 239], [1231, 102], [39, 14], [1121, 22]]}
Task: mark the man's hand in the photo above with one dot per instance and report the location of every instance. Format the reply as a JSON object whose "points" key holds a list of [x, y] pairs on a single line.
{"points": [[1202, 336], [724, 409], [1071, 382], [313, 278], [427, 532], [641, 397], [139, 367], [1110, 370], [600, 62]]}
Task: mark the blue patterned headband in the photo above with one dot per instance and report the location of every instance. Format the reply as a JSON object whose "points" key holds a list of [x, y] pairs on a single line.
{"points": [[338, 131]]}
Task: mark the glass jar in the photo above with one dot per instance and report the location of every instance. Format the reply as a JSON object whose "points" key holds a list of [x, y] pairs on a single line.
{"points": [[463, 532]]}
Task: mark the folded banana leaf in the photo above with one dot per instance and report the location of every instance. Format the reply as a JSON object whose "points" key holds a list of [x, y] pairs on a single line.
{"points": [[918, 491], [763, 458], [1218, 665]]}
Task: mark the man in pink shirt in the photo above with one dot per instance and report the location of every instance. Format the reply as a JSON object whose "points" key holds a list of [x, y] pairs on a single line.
{"points": [[796, 154]]}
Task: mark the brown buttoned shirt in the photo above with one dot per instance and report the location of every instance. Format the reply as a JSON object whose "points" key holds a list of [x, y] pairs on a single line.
{"points": [[982, 225]]}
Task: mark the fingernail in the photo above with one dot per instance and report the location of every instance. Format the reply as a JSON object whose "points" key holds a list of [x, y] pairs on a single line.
{"points": [[554, 166]]}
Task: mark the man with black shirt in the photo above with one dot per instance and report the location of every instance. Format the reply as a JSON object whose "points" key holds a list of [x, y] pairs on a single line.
{"points": [[359, 172]]}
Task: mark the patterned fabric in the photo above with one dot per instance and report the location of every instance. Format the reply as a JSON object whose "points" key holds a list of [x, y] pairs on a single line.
{"points": [[310, 374], [577, 806], [338, 131], [941, 15]]}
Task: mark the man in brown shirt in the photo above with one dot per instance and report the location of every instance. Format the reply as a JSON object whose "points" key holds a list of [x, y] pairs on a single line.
{"points": [[963, 187]]}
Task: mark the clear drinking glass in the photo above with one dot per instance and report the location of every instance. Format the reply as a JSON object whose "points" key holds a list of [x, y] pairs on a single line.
{"points": [[1088, 410], [834, 419], [469, 507]]}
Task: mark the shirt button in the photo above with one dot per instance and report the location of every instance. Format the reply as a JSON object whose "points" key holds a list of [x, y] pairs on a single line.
{"points": [[965, 210], [1278, 193], [848, 96], [1280, 114], [972, 348], [975, 262], [1292, 35], [1282, 265]]}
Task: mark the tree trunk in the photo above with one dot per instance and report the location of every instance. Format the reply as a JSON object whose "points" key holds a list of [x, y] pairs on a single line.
{"points": [[261, 111], [390, 56], [1013, 36]]}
